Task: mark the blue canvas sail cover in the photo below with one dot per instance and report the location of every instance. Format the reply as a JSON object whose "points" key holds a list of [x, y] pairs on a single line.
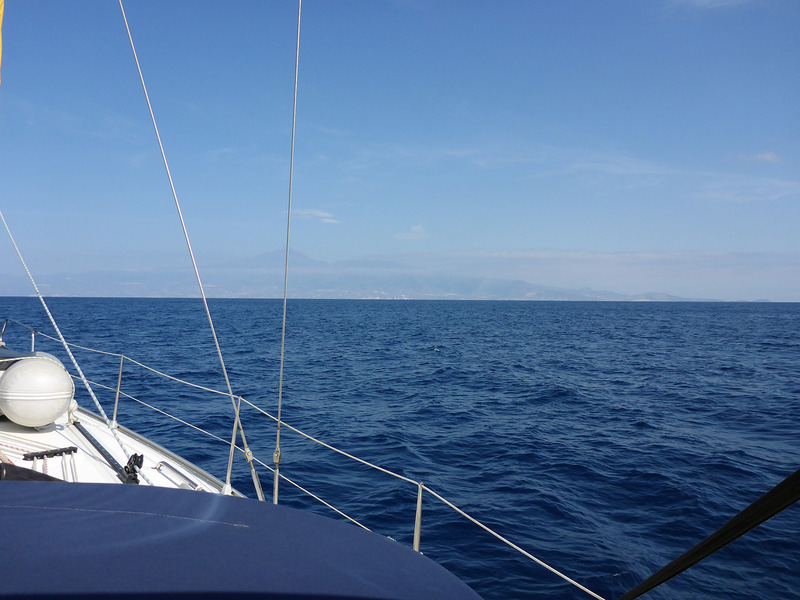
{"points": [[103, 540]]}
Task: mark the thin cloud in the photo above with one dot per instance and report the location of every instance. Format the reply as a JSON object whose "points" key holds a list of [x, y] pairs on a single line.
{"points": [[409, 156], [742, 190], [761, 157], [710, 4], [611, 164], [627, 172], [315, 215], [417, 232], [221, 154]]}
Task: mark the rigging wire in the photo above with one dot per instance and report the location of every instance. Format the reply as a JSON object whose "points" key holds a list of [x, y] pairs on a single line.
{"points": [[237, 425], [277, 454], [66, 347], [389, 472]]}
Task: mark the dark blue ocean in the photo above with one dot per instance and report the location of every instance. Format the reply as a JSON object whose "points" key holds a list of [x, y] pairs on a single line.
{"points": [[604, 438]]}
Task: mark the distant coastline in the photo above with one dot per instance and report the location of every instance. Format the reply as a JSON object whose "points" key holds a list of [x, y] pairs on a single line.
{"points": [[668, 299]]}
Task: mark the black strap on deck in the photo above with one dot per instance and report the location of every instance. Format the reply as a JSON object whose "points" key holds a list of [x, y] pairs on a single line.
{"points": [[770, 504], [126, 474]]}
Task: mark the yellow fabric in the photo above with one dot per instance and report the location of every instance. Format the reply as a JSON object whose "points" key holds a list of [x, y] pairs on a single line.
{"points": [[2, 2]]}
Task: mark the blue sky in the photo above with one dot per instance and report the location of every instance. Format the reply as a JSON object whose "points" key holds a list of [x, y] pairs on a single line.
{"points": [[634, 146]]}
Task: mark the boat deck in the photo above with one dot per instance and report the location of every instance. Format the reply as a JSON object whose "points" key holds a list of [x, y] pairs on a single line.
{"points": [[64, 450]]}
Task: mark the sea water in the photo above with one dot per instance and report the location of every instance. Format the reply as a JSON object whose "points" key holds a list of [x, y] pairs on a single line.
{"points": [[604, 438]]}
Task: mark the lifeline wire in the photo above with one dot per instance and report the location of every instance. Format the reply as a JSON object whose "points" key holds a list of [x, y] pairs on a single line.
{"points": [[439, 497], [277, 455], [237, 423], [66, 347]]}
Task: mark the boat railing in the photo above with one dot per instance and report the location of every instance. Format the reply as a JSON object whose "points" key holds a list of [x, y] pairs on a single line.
{"points": [[31, 330], [420, 487]]}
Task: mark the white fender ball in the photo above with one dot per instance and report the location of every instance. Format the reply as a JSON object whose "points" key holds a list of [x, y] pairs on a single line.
{"points": [[35, 391]]}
